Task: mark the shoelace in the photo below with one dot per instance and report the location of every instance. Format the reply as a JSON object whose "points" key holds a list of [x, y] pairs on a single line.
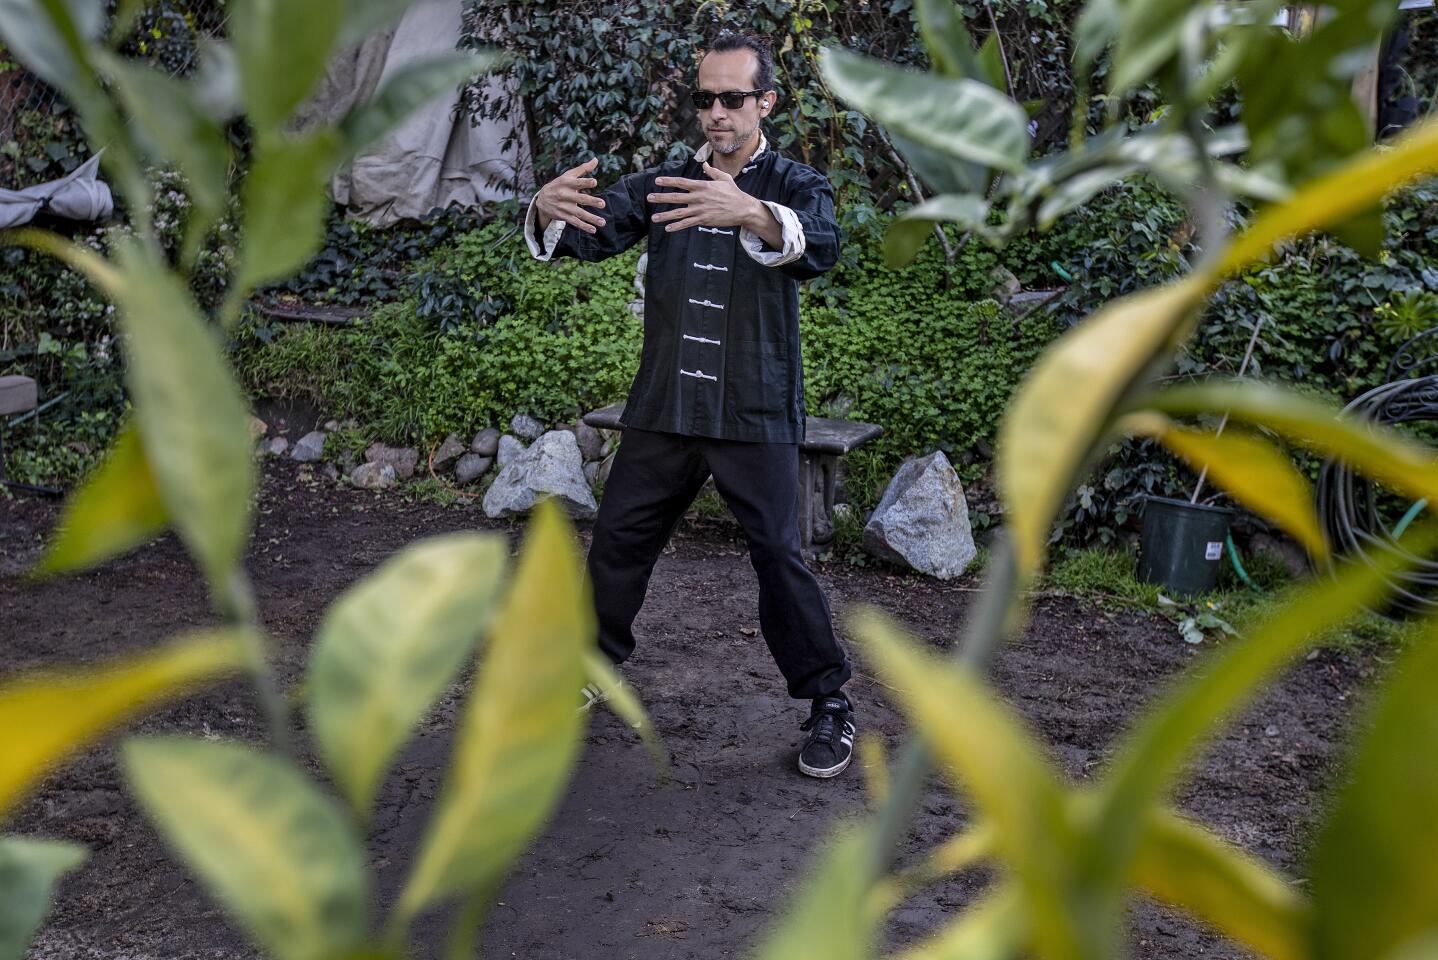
{"points": [[824, 723]]}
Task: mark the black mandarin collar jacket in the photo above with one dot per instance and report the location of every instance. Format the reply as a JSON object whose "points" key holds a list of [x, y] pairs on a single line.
{"points": [[721, 351]]}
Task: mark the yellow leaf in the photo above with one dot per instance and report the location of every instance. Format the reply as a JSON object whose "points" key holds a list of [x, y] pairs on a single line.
{"points": [[1253, 470], [117, 509], [1063, 409], [621, 699], [48, 715], [995, 928], [521, 728], [1001, 766], [1335, 197]]}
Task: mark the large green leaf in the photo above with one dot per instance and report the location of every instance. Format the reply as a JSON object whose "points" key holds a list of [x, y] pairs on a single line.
{"points": [[621, 700], [46, 43], [1380, 452], [951, 49], [408, 89], [118, 508], [391, 645], [521, 729], [828, 916], [193, 421], [1063, 408], [48, 715], [967, 119], [909, 231], [1337, 196], [1375, 868], [275, 851], [1189, 867], [1155, 750], [181, 130], [285, 205], [1253, 470], [1001, 766], [29, 870], [281, 48]]}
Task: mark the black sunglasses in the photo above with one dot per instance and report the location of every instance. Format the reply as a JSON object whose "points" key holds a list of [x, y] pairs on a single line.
{"points": [[732, 99]]}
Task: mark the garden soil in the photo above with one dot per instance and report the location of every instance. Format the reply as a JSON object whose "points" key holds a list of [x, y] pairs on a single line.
{"points": [[630, 867]]}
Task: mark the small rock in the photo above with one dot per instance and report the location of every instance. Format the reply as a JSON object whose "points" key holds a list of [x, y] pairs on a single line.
{"points": [[551, 467], [636, 307], [330, 471], [842, 512], [923, 520], [591, 444], [403, 459], [1270, 731], [331, 426], [606, 465], [448, 452], [641, 273], [310, 447], [275, 446], [509, 448], [486, 442], [374, 475], [258, 428], [471, 467], [526, 427], [1287, 552], [591, 472]]}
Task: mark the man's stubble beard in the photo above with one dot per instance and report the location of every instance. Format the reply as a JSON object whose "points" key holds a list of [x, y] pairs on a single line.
{"points": [[734, 145]]}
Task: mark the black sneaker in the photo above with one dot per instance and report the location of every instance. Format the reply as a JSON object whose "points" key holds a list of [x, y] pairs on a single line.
{"points": [[831, 737]]}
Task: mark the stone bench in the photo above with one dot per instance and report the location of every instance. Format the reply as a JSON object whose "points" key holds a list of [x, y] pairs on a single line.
{"points": [[17, 395], [825, 441]]}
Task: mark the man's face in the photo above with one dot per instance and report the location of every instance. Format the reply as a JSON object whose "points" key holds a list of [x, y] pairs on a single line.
{"points": [[731, 130]]}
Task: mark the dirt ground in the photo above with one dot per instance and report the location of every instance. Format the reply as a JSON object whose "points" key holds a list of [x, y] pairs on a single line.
{"points": [[629, 868]]}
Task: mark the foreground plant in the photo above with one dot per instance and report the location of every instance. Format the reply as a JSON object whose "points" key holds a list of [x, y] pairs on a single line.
{"points": [[284, 857], [1069, 857]]}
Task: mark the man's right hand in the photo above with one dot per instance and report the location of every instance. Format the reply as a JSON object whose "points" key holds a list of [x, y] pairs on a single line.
{"points": [[565, 198]]}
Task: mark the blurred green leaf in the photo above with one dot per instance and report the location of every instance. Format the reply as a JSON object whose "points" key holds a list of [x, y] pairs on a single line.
{"points": [[995, 928], [939, 171], [364, 17], [48, 715], [285, 205], [1156, 748], [828, 916], [118, 508], [46, 36], [622, 701], [29, 870], [998, 763], [406, 90], [1337, 196], [1253, 470], [1187, 866], [1062, 410], [193, 421], [180, 130], [521, 729], [277, 853], [951, 49], [908, 232], [1380, 452], [1097, 25], [966, 119], [390, 646], [1375, 867], [281, 48]]}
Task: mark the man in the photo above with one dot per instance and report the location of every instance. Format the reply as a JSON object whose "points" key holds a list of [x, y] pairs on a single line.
{"points": [[731, 231]]}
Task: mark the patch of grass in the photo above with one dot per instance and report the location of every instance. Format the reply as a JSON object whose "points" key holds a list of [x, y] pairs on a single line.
{"points": [[1101, 574], [430, 490]]}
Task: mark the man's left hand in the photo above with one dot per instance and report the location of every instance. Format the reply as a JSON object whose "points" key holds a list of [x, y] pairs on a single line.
{"points": [[716, 202]]}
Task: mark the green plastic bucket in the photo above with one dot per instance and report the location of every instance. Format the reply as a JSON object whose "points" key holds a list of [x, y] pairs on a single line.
{"points": [[1181, 546]]}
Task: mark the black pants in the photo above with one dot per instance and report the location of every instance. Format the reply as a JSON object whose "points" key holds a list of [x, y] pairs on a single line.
{"points": [[654, 479]]}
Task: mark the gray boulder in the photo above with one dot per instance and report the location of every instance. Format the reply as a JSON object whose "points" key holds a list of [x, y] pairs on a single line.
{"points": [[526, 427], [591, 444], [403, 459], [552, 467], [448, 452], [508, 449], [275, 446], [374, 475], [471, 467], [591, 472], [485, 443], [310, 447], [923, 520]]}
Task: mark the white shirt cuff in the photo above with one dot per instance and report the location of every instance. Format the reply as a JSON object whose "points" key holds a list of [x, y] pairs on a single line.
{"points": [[551, 235], [794, 241]]}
